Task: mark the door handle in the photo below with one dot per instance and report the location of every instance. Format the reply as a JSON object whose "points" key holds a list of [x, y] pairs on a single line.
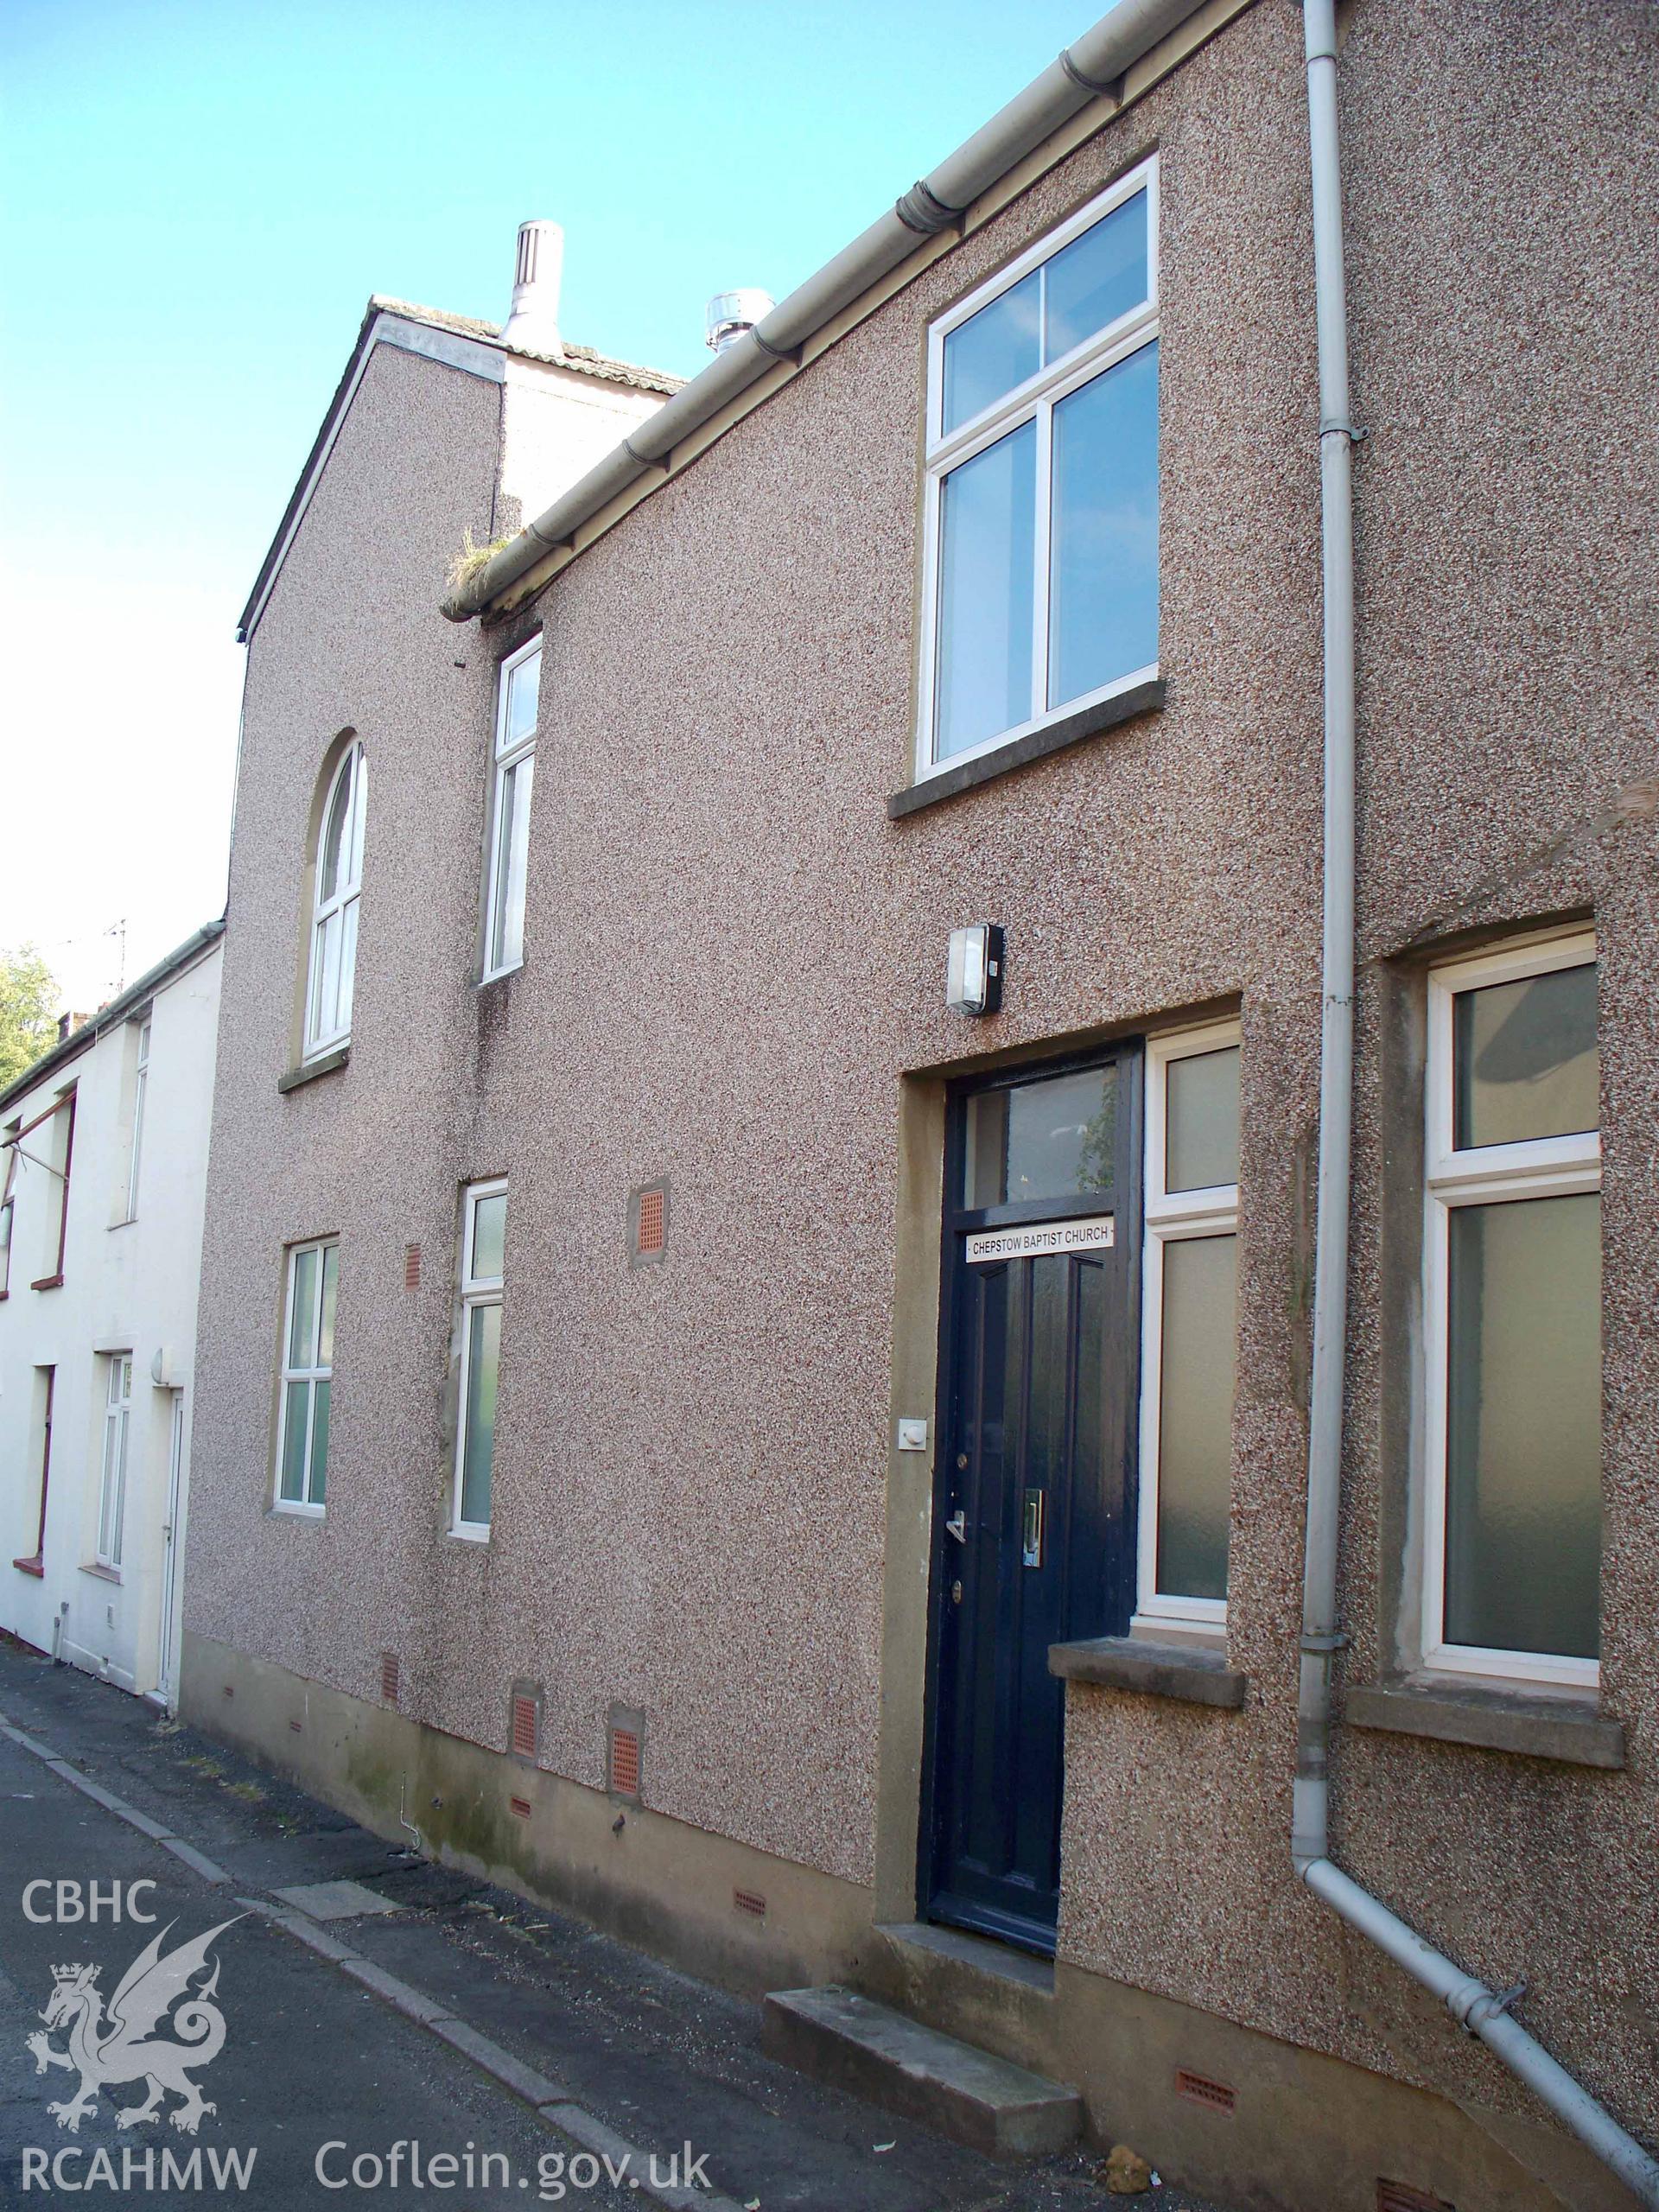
{"points": [[957, 1526], [1031, 1542]]}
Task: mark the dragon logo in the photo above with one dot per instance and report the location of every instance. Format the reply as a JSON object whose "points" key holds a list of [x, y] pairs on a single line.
{"points": [[123, 2047]]}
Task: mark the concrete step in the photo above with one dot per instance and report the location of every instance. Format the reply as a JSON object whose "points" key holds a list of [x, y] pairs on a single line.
{"points": [[854, 2044]]}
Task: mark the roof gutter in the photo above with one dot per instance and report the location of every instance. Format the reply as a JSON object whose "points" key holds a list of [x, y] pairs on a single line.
{"points": [[1084, 72]]}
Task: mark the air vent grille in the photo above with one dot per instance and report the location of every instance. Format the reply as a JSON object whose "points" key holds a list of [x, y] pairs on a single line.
{"points": [[653, 1228], [390, 1672], [411, 1266], [524, 1726], [1401, 2196], [750, 1901], [1197, 2089], [625, 1762]]}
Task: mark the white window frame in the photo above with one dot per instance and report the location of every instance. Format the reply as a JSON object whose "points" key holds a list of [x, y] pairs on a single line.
{"points": [[1034, 400], [8, 1204], [112, 1474], [476, 1291], [140, 1085], [506, 758], [313, 1509], [1484, 1174], [1169, 1216], [338, 909]]}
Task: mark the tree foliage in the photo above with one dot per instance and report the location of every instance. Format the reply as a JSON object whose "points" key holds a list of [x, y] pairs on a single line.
{"points": [[28, 1000]]}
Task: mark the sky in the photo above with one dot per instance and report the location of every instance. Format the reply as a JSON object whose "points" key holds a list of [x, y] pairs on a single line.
{"points": [[196, 201]]}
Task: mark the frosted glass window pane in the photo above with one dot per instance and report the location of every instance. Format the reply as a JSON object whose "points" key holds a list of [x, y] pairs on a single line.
{"points": [[320, 1442], [483, 1366], [513, 843], [1525, 1059], [330, 1281], [1103, 614], [1096, 278], [106, 1498], [360, 811], [292, 1483], [115, 1496], [986, 583], [327, 958], [524, 696], [1195, 1418], [993, 351], [489, 1234], [1523, 1430], [342, 1019], [1201, 1121], [334, 835], [1050, 1139], [302, 1315]]}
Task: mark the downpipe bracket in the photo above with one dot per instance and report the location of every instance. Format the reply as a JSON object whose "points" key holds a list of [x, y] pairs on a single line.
{"points": [[1487, 2006]]}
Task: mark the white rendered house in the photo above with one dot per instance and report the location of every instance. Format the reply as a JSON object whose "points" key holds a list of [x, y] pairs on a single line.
{"points": [[103, 1169]]}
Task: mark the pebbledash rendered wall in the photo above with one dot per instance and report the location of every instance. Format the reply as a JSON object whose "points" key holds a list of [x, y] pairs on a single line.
{"points": [[734, 979]]}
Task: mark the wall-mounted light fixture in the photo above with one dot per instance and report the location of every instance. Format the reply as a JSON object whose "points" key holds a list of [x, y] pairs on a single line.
{"points": [[974, 983]]}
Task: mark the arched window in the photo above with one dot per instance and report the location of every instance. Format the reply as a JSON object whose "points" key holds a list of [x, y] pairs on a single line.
{"points": [[339, 882]]}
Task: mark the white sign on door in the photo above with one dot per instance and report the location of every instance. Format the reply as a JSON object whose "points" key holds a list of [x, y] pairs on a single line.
{"points": [[1034, 1239]]}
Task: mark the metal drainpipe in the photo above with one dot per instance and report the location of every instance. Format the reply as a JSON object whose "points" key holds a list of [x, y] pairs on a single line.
{"points": [[1481, 2011]]}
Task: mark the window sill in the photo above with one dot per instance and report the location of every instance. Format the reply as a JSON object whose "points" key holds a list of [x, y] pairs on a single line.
{"points": [[478, 1533], [499, 975], [48, 1282], [288, 1509], [1534, 1726], [103, 1573], [1189, 1631], [308, 1071], [36, 1566], [1035, 745], [1132, 1663], [126, 1221]]}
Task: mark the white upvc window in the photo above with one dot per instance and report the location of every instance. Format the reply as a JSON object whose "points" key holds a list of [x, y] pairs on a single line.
{"points": [[1512, 1316], [483, 1240], [307, 1377], [337, 885], [1188, 1327], [112, 1486], [518, 699], [140, 1085], [1040, 584]]}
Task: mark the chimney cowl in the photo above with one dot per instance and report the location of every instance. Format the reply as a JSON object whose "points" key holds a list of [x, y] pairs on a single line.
{"points": [[730, 313], [533, 325]]}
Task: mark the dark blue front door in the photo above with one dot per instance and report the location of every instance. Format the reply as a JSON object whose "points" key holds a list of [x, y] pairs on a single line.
{"points": [[1035, 1509]]}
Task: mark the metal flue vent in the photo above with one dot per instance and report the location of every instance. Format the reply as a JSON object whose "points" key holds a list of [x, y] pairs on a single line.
{"points": [[533, 326], [730, 313]]}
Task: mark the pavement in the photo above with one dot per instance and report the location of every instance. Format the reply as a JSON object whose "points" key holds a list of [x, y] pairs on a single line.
{"points": [[368, 2000]]}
